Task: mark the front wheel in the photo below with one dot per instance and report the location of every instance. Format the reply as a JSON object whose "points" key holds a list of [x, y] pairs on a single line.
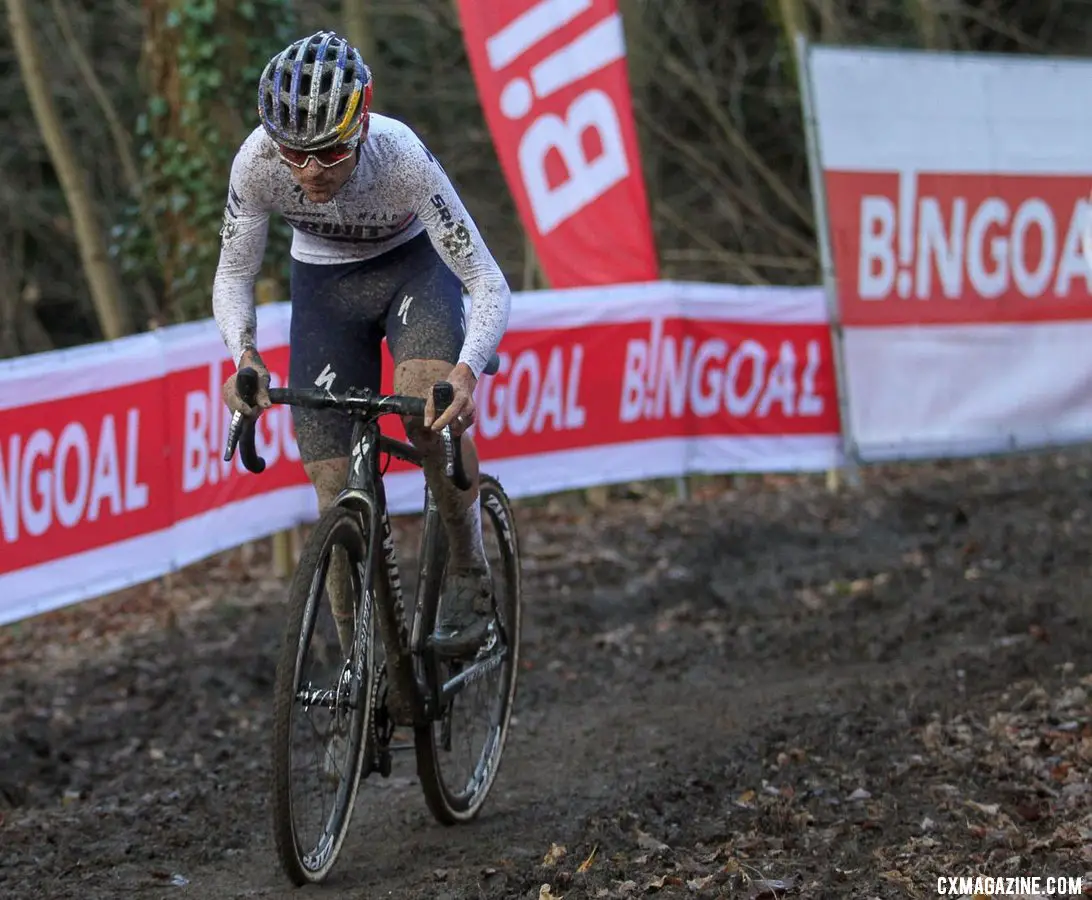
{"points": [[459, 754], [322, 698]]}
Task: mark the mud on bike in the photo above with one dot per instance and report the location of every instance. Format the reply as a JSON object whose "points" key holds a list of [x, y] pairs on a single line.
{"points": [[337, 704]]}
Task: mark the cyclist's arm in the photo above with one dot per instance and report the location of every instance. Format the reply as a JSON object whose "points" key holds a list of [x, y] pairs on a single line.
{"points": [[460, 245], [242, 246]]}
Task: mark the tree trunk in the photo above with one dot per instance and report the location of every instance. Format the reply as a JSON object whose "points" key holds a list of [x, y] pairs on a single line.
{"points": [[358, 28], [930, 27], [106, 294]]}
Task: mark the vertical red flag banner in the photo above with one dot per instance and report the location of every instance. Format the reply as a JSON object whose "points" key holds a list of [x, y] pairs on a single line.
{"points": [[553, 83]]}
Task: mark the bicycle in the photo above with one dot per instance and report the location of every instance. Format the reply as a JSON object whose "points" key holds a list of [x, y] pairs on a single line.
{"points": [[376, 686]]}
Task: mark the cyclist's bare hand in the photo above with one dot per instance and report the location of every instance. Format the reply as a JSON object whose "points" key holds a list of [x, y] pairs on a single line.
{"points": [[461, 412], [230, 393]]}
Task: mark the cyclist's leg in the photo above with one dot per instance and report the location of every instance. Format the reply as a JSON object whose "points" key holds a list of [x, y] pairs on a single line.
{"points": [[333, 332], [425, 331]]}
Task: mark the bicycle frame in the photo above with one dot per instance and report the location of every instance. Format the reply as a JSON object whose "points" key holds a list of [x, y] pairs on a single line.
{"points": [[415, 695], [411, 701]]}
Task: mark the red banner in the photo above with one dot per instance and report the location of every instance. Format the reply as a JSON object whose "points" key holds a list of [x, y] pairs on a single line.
{"points": [[916, 248], [552, 79], [122, 478]]}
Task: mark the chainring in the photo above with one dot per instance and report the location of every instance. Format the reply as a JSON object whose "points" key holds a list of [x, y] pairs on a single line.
{"points": [[382, 730]]}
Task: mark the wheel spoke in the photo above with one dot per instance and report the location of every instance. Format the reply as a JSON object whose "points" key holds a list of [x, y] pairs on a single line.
{"points": [[459, 755], [321, 710]]}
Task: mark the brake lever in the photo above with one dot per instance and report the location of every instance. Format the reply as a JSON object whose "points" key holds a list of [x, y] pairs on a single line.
{"points": [[442, 395], [449, 451], [241, 430], [246, 386]]}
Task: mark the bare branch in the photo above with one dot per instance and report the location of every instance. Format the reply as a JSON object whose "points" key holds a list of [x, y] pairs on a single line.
{"points": [[118, 133]]}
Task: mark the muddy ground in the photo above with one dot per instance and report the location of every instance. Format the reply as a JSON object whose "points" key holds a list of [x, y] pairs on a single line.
{"points": [[767, 690]]}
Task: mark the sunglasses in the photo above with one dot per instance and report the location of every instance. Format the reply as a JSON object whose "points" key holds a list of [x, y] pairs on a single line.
{"points": [[327, 157]]}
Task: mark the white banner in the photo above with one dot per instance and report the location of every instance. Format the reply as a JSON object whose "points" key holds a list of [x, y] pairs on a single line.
{"points": [[111, 455], [954, 190]]}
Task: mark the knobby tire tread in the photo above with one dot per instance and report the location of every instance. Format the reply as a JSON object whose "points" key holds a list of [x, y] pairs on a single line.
{"points": [[440, 802], [317, 545]]}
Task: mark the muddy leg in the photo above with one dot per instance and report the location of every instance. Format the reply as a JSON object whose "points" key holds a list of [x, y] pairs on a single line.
{"points": [[328, 478], [459, 510]]}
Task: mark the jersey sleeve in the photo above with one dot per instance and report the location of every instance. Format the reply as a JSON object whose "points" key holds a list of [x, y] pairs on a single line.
{"points": [[243, 236], [458, 242]]}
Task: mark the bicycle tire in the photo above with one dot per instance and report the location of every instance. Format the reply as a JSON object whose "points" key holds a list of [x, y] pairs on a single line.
{"points": [[447, 806], [336, 527]]}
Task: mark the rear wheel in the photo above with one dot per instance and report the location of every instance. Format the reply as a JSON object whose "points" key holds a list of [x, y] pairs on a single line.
{"points": [[322, 698], [459, 754]]}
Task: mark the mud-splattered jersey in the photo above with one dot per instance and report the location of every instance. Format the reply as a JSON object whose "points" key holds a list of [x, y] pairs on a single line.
{"points": [[396, 191]]}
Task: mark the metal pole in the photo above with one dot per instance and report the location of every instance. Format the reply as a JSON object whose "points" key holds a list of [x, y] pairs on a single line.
{"points": [[830, 284]]}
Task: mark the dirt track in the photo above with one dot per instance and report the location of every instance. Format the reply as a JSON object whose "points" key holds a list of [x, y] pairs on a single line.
{"points": [[762, 692]]}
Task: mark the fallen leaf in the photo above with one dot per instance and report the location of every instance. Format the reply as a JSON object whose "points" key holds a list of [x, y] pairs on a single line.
{"points": [[584, 866], [699, 884], [859, 794], [896, 877], [545, 893], [1029, 812], [746, 799], [1039, 633], [988, 809], [663, 881], [648, 842], [810, 598], [554, 855], [1074, 696], [932, 735], [771, 888]]}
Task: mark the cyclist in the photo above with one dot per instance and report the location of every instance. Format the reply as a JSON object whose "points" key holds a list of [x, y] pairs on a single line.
{"points": [[381, 246]]}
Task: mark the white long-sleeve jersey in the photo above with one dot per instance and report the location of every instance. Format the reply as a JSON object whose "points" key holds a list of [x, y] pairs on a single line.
{"points": [[396, 191]]}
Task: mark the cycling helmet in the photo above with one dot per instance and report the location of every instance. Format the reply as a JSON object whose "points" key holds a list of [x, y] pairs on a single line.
{"points": [[315, 93]]}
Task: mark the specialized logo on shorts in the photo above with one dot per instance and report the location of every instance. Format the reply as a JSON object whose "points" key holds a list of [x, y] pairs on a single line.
{"points": [[326, 378], [403, 310]]}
